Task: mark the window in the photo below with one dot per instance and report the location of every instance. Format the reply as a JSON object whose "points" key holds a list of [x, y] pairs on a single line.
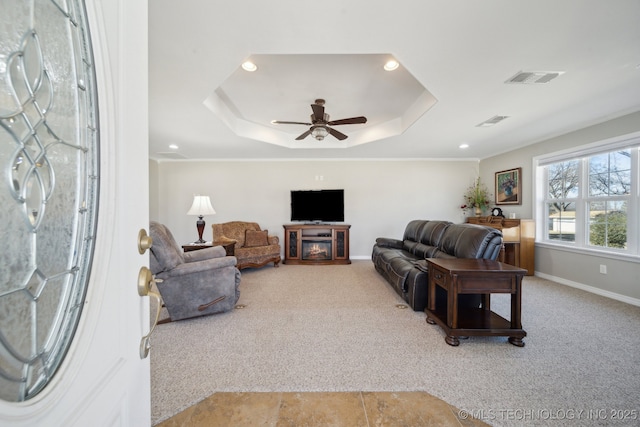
{"points": [[588, 199]]}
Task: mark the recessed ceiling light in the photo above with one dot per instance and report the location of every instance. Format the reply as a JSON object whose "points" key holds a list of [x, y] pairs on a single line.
{"points": [[173, 146], [463, 146], [391, 65], [249, 66]]}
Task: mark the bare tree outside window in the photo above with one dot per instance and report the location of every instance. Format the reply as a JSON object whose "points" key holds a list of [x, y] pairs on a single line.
{"points": [[588, 198], [563, 187], [608, 185], [610, 174], [563, 180]]}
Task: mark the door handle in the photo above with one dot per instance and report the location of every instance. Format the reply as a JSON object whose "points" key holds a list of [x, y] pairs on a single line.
{"points": [[145, 284]]}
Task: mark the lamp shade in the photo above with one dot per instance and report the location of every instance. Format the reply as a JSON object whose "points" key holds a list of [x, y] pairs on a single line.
{"points": [[201, 206]]}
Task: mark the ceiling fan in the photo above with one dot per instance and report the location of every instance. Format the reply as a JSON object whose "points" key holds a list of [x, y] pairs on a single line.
{"points": [[320, 123]]}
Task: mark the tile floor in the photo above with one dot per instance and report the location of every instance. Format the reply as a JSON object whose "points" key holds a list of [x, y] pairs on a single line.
{"points": [[350, 409]]}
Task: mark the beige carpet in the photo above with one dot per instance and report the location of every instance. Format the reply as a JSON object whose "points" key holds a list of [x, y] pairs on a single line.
{"points": [[337, 328]]}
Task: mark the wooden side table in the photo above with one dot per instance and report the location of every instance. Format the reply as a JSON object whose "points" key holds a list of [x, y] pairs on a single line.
{"points": [[196, 246], [475, 276], [228, 247]]}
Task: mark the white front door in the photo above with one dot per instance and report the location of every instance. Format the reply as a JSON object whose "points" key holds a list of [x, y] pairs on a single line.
{"points": [[103, 381]]}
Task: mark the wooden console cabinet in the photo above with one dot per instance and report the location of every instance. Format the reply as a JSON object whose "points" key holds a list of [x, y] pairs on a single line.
{"points": [[518, 236], [316, 244]]}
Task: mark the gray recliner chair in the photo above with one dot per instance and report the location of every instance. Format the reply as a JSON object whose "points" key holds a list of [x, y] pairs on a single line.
{"points": [[192, 284]]}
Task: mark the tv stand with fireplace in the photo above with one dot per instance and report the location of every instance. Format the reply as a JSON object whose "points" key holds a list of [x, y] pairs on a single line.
{"points": [[316, 244]]}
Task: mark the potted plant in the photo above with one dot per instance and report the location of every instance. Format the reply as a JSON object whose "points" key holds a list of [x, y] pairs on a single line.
{"points": [[477, 197]]}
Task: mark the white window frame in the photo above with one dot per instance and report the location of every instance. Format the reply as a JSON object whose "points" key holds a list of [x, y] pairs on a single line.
{"points": [[581, 153]]}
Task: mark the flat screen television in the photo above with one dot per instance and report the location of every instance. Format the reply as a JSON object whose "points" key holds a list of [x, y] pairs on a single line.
{"points": [[317, 205]]}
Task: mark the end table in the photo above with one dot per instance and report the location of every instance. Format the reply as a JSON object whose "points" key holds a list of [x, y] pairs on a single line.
{"points": [[475, 276], [228, 247]]}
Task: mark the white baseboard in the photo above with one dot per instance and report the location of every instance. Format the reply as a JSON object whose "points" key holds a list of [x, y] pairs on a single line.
{"points": [[592, 289]]}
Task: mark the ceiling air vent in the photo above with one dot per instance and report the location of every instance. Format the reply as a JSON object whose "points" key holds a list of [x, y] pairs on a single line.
{"points": [[534, 77], [492, 121]]}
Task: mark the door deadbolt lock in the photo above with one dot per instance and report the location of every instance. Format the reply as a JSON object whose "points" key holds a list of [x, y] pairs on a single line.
{"points": [[144, 241]]}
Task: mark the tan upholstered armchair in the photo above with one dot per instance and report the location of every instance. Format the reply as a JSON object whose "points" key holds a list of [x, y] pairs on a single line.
{"points": [[253, 247]]}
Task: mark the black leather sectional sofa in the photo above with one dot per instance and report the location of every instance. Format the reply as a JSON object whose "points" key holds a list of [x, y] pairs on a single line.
{"points": [[403, 262]]}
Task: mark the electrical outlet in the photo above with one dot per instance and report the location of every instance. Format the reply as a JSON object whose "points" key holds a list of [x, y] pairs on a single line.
{"points": [[603, 269]]}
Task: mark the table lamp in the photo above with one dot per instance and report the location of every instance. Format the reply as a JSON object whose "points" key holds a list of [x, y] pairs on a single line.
{"points": [[201, 206]]}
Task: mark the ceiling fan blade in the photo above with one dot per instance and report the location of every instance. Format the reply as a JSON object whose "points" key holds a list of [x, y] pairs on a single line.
{"points": [[337, 134], [281, 122], [349, 121], [304, 135], [318, 112]]}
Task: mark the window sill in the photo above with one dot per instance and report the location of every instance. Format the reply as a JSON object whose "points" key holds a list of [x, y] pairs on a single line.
{"points": [[588, 251]]}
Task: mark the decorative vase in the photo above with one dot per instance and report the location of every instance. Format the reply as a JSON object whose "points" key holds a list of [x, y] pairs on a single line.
{"points": [[478, 211], [508, 191]]}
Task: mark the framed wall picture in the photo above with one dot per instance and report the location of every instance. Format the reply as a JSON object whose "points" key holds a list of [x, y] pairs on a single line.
{"points": [[509, 187]]}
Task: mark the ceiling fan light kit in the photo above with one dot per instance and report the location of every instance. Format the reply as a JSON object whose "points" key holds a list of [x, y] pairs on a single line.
{"points": [[321, 123], [319, 132]]}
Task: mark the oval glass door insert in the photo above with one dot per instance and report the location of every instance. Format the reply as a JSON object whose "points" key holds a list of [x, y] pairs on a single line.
{"points": [[49, 157]]}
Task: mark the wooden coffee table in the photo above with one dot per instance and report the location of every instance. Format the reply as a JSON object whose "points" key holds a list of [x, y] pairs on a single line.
{"points": [[475, 276]]}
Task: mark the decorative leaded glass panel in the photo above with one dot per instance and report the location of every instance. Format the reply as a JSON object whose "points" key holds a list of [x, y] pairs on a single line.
{"points": [[48, 186]]}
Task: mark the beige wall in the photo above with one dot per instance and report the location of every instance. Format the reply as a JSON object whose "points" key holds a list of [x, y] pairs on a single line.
{"points": [[381, 197], [154, 194], [569, 267]]}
